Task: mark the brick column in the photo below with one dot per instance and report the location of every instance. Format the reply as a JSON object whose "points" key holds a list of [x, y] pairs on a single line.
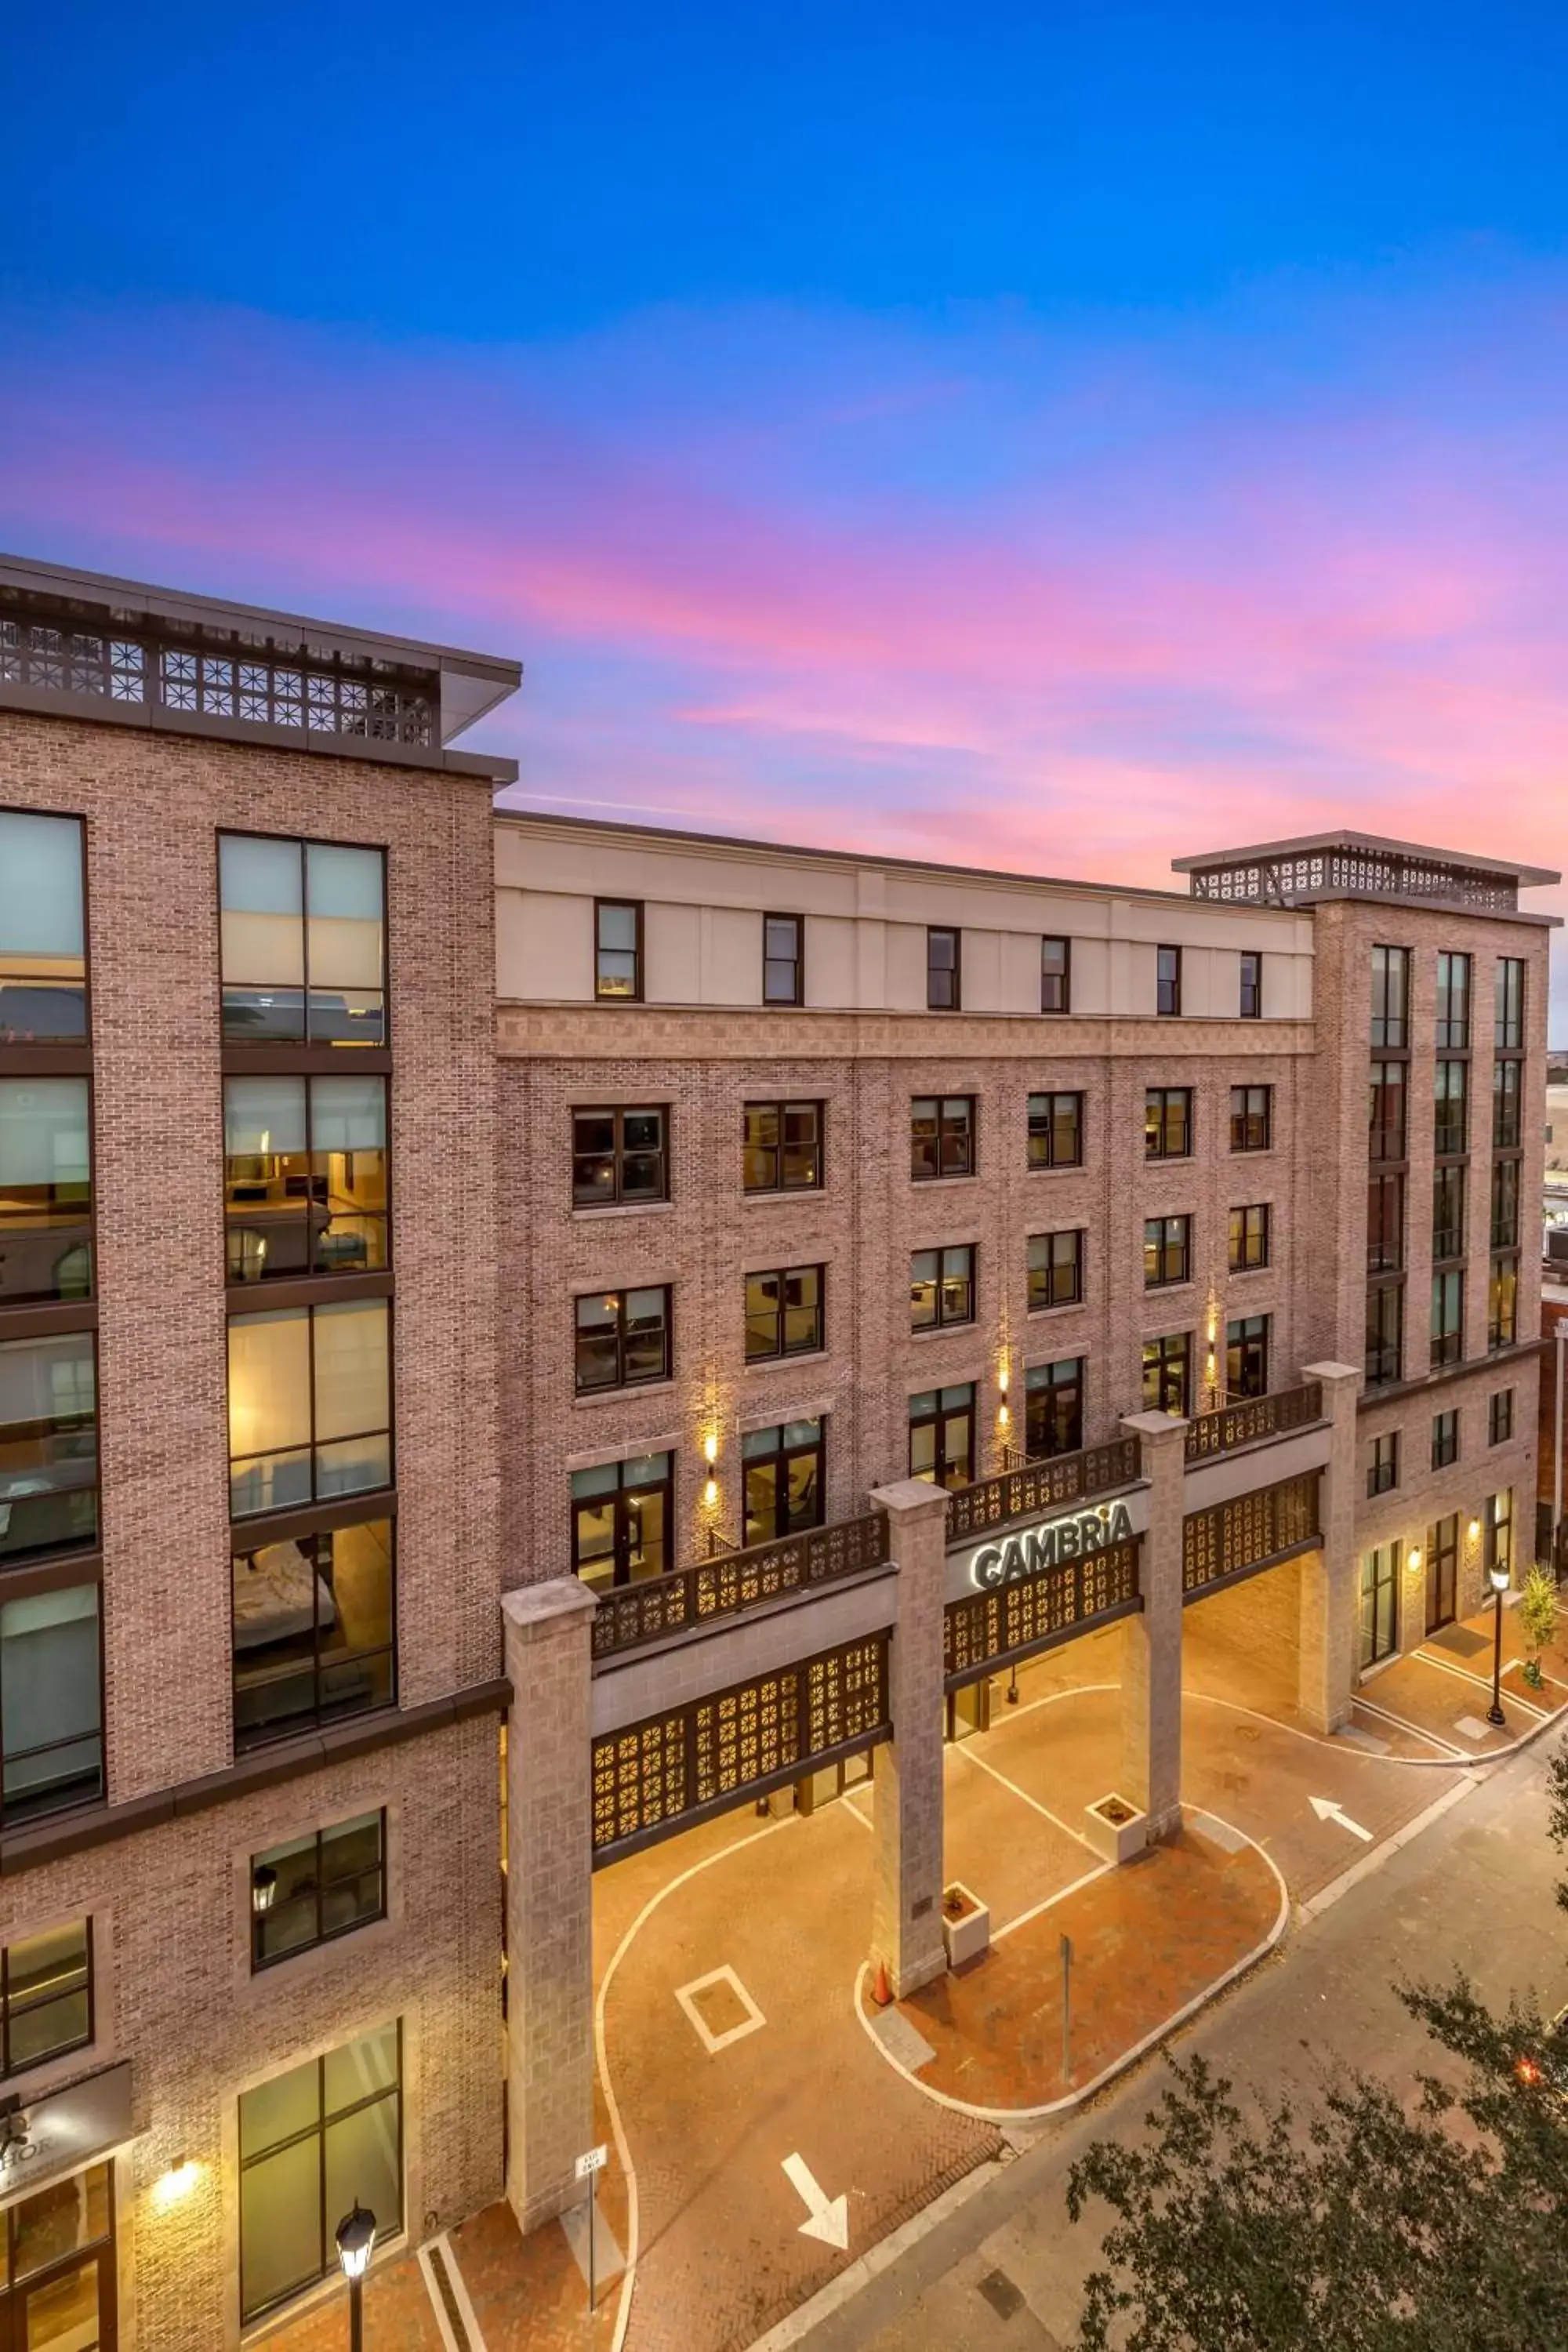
{"points": [[907, 1909], [549, 1906], [1151, 1640], [1328, 1590]]}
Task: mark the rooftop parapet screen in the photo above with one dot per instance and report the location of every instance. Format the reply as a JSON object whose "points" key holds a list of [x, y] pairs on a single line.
{"points": [[1358, 865]]}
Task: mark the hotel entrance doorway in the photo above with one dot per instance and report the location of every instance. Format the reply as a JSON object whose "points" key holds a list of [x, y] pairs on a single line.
{"points": [[57, 2267]]}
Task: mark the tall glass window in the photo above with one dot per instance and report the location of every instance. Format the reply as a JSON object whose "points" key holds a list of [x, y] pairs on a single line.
{"points": [[310, 1404], [1506, 1093], [48, 1445], [1380, 1603], [1447, 1318], [1385, 1112], [1167, 1373], [785, 1482], [305, 1164], [45, 1190], [43, 949], [1449, 1214], [1247, 1356], [45, 1996], [944, 992], [1390, 997], [312, 2142], [783, 959], [1453, 1003], [942, 1434], [1508, 1028], [303, 927], [1385, 1223], [1384, 1332], [1450, 1116], [620, 1519], [314, 1630], [1053, 1408], [51, 1709], [1056, 975]]}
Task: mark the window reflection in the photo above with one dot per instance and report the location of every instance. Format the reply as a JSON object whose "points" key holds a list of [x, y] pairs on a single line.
{"points": [[305, 1172], [313, 1624]]}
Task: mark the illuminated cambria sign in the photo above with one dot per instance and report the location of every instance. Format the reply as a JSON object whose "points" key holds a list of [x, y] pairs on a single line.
{"points": [[1077, 1537]]}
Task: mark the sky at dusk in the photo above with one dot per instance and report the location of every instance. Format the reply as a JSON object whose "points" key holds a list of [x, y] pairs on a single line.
{"points": [[1058, 438]]}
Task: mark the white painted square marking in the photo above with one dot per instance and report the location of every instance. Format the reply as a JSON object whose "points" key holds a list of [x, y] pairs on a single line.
{"points": [[1469, 1727], [711, 2043]]}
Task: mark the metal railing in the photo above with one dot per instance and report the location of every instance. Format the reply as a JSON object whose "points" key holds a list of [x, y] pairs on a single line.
{"points": [[1041, 1485], [633, 1615], [1231, 1426]]}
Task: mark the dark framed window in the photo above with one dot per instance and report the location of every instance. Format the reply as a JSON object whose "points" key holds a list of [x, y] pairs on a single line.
{"points": [[311, 2143], [1249, 1238], [1390, 997], [1251, 1006], [942, 1136], [622, 1338], [1384, 1333], [783, 959], [1167, 1251], [303, 938], [1247, 1356], [1167, 1122], [1167, 1373], [1507, 1089], [310, 1404], [621, 1514], [1497, 1541], [1385, 1223], [620, 1155], [1451, 1120], [49, 1446], [1055, 1270], [45, 1996], [944, 978], [785, 1472], [1382, 1465], [1453, 1003], [784, 1312], [1387, 1112], [1447, 1318], [45, 1190], [315, 1628], [305, 1176], [313, 1889], [1167, 980], [1441, 1571], [1053, 1408], [1508, 1031], [1379, 1629], [51, 1702], [1445, 1439], [1500, 1417], [1251, 1119], [1505, 1204], [1056, 1130], [1448, 1213], [1056, 975], [782, 1146], [941, 1436], [1502, 1302], [43, 931], [942, 1286], [619, 950]]}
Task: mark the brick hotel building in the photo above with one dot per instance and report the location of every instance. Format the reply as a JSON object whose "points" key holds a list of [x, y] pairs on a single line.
{"points": [[517, 1333]]}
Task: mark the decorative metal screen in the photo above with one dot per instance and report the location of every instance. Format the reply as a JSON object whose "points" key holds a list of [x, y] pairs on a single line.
{"points": [[1035, 1610], [1250, 1531], [1040, 1486], [636, 1614], [1232, 1426], [717, 1751], [1353, 872], [261, 685]]}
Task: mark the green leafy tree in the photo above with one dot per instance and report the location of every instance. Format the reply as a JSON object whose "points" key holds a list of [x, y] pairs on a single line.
{"points": [[1369, 2225], [1538, 1615]]}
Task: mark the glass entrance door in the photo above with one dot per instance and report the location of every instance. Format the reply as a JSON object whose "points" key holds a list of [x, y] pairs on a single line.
{"points": [[57, 2278], [1379, 1603], [1441, 1571]]}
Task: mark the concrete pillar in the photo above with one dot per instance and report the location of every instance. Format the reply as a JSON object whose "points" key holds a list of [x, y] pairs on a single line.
{"points": [[1330, 1588], [1151, 1640], [549, 1896], [907, 1910]]}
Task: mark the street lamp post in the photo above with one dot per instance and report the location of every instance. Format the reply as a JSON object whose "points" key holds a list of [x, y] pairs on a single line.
{"points": [[1497, 1575], [356, 2236]]}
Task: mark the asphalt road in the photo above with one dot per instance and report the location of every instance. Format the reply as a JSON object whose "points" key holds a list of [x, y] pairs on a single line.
{"points": [[1474, 1891]]}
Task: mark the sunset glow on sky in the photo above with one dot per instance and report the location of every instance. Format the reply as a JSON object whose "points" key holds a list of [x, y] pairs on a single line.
{"points": [[1052, 438]]}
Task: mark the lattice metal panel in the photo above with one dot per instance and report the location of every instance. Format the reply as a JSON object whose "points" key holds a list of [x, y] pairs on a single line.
{"points": [[717, 1750], [1385, 874], [1230, 1426], [1039, 1487], [1248, 1531], [1036, 1608], [68, 661], [636, 1614]]}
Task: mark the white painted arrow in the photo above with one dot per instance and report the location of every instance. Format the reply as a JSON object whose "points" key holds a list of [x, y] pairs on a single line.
{"points": [[827, 2218], [1328, 1811]]}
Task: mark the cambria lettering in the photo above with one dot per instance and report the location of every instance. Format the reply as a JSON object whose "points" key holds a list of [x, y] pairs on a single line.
{"points": [[1033, 1549]]}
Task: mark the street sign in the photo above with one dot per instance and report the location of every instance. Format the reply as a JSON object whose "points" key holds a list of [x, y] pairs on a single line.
{"points": [[595, 2161]]}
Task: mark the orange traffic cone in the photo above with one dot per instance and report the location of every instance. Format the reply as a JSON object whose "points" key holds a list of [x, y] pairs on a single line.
{"points": [[881, 1991]]}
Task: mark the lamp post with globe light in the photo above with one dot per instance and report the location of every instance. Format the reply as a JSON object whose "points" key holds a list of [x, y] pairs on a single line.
{"points": [[1497, 1577], [355, 2236]]}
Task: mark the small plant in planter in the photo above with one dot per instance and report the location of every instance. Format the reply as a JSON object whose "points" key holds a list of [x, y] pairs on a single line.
{"points": [[1538, 1615]]}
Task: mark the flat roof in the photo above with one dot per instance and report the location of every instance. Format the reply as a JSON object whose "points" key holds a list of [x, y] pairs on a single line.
{"points": [[1375, 843], [471, 683]]}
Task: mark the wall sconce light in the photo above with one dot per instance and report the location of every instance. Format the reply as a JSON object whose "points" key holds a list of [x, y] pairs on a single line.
{"points": [[1413, 1557], [1002, 1377], [1003, 1415], [263, 1887], [710, 1493], [711, 1448], [177, 2182], [1475, 1526]]}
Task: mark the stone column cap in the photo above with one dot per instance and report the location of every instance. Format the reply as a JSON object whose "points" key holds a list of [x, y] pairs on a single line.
{"points": [[908, 1499], [1331, 1371], [529, 1606], [1155, 1424]]}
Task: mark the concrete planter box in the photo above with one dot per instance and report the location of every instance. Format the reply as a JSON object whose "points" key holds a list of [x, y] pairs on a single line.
{"points": [[965, 1925], [1116, 1830]]}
